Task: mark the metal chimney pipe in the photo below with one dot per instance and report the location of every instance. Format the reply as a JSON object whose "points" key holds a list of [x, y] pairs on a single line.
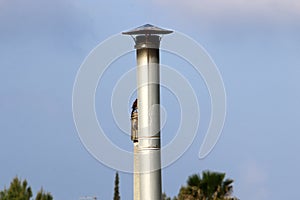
{"points": [[134, 138], [149, 121], [147, 40]]}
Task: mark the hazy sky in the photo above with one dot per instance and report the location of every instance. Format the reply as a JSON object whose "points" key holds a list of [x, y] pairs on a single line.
{"points": [[255, 44]]}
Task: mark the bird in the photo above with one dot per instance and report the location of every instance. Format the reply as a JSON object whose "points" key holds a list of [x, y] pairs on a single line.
{"points": [[134, 106]]}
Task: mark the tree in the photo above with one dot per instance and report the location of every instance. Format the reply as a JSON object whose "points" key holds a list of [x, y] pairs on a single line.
{"points": [[18, 190], [42, 195], [116, 190], [214, 186], [165, 197], [211, 186]]}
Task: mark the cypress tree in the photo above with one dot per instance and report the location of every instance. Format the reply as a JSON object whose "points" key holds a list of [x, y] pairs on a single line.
{"points": [[116, 190]]}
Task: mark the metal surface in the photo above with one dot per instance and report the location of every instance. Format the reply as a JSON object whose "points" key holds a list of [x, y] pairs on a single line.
{"points": [[147, 39], [149, 123], [136, 175], [88, 198], [134, 138], [147, 29]]}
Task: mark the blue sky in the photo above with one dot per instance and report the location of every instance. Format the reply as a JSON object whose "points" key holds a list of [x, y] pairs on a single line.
{"points": [[255, 45]]}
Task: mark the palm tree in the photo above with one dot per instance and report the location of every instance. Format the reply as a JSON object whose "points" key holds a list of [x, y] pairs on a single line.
{"points": [[192, 190], [211, 186]]}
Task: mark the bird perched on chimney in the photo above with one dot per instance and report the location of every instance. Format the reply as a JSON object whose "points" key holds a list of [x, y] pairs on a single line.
{"points": [[134, 106]]}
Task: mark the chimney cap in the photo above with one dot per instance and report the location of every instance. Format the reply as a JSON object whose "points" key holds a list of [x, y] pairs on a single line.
{"points": [[147, 29]]}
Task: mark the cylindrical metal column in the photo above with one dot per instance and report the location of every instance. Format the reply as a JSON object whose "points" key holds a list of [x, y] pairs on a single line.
{"points": [[134, 138], [149, 116], [136, 175], [147, 40]]}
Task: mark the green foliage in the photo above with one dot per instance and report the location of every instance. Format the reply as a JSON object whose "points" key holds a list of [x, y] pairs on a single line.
{"points": [[42, 195], [211, 186], [116, 190], [18, 190], [165, 197]]}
